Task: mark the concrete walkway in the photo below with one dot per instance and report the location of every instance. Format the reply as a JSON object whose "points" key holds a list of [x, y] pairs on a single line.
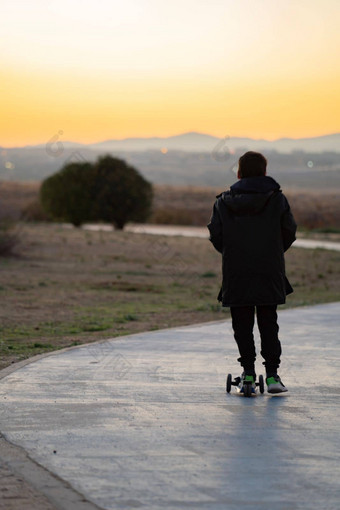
{"points": [[144, 421], [202, 232]]}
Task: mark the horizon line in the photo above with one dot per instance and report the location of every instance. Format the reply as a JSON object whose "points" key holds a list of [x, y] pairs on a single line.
{"points": [[226, 137]]}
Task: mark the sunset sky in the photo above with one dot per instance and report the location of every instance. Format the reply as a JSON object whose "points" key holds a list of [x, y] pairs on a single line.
{"points": [[105, 69]]}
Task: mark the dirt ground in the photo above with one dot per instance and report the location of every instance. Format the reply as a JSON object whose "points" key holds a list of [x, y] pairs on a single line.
{"points": [[17, 494], [66, 286]]}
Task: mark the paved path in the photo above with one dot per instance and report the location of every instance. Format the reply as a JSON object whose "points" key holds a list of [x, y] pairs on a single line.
{"points": [[144, 421], [178, 230]]}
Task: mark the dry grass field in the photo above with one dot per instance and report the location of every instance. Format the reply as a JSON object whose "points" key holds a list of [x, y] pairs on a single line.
{"points": [[15, 196], [67, 286], [189, 205], [193, 206]]}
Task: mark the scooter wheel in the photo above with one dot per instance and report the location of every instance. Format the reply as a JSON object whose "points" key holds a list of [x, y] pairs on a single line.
{"points": [[247, 390], [228, 385], [261, 384]]}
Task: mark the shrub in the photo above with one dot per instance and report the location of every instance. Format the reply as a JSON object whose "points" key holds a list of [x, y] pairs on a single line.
{"points": [[67, 195], [109, 190], [121, 193]]}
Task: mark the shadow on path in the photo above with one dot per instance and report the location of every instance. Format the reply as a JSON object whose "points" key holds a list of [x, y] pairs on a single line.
{"points": [[144, 421]]}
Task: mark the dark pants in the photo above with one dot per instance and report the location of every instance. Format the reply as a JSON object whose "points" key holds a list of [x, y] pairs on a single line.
{"points": [[243, 318]]}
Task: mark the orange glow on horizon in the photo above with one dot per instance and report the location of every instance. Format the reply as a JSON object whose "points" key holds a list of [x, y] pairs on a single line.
{"points": [[92, 112]]}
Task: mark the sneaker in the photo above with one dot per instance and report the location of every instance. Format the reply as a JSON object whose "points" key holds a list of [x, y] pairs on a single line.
{"points": [[275, 385], [250, 378]]}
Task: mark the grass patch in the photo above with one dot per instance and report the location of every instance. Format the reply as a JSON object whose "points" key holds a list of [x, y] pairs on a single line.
{"points": [[38, 345], [209, 274], [327, 230], [63, 291]]}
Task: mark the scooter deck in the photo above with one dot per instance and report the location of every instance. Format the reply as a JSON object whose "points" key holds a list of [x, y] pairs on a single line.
{"points": [[247, 386]]}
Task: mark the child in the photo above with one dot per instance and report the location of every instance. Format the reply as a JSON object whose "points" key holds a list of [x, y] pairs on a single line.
{"points": [[252, 226]]}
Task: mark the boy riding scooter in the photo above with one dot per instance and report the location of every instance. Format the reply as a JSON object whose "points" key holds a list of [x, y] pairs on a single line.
{"points": [[252, 226]]}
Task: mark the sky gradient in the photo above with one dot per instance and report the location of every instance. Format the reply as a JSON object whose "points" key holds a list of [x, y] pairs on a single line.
{"points": [[105, 69]]}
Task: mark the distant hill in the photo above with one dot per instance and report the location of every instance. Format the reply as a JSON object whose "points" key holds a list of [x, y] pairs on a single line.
{"points": [[191, 158], [199, 142]]}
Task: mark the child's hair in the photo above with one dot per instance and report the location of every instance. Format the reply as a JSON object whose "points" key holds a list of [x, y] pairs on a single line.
{"points": [[252, 164]]}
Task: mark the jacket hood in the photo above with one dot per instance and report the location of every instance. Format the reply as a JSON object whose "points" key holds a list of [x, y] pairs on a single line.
{"points": [[250, 194], [261, 184]]}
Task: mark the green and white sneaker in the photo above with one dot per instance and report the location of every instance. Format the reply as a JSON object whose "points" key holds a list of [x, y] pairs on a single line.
{"points": [[275, 385]]}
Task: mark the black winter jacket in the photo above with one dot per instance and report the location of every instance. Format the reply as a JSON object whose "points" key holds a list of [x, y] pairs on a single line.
{"points": [[252, 226]]}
